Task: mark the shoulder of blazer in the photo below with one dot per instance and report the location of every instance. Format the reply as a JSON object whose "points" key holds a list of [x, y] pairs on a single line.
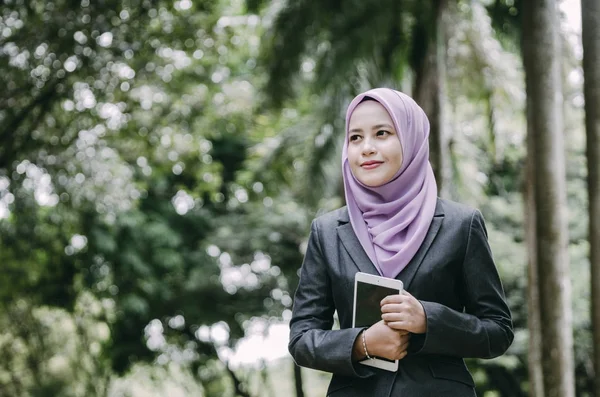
{"points": [[332, 219], [454, 211]]}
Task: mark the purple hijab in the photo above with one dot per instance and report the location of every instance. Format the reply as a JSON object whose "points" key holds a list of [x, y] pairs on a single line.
{"points": [[391, 220]]}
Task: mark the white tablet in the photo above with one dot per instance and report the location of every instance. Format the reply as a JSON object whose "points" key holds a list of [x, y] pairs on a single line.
{"points": [[369, 290]]}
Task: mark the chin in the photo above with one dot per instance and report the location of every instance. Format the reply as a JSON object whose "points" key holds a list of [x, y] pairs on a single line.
{"points": [[372, 182]]}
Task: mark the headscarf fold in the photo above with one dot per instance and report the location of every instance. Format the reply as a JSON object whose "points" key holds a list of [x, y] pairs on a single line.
{"points": [[392, 220]]}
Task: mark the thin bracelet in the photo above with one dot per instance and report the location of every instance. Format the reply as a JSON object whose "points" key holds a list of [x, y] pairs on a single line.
{"points": [[364, 343]]}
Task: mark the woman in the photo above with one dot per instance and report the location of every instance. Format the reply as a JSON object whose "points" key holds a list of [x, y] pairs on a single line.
{"points": [[394, 225]]}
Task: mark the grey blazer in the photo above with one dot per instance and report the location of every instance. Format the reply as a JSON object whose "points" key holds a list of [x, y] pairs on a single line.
{"points": [[452, 274]]}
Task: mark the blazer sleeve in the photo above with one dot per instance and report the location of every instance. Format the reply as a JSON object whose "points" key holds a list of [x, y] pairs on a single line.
{"points": [[313, 343], [484, 329]]}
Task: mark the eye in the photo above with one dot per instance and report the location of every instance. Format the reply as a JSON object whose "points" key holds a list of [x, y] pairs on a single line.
{"points": [[383, 133], [354, 137]]}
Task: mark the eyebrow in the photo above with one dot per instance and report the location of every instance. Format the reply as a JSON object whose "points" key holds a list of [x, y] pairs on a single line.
{"points": [[375, 127]]}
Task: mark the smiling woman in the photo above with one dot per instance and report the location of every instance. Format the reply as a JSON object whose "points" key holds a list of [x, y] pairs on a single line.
{"points": [[395, 226]]}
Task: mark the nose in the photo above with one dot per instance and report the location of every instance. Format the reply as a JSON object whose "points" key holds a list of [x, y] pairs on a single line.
{"points": [[368, 148]]}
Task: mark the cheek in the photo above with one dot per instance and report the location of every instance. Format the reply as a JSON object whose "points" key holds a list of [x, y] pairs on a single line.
{"points": [[352, 154], [353, 161], [397, 165], [394, 154]]}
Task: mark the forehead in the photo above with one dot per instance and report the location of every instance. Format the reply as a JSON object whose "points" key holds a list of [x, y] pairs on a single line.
{"points": [[370, 111]]}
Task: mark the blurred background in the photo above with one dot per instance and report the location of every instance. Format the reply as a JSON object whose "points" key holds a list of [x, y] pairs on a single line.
{"points": [[161, 162]]}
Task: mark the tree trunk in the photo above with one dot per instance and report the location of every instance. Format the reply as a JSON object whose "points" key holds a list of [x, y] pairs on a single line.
{"points": [[541, 56], [534, 357], [430, 94], [590, 33], [298, 380], [534, 349]]}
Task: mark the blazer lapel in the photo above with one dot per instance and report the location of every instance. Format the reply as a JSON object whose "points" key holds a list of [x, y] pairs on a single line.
{"points": [[408, 273], [352, 245]]}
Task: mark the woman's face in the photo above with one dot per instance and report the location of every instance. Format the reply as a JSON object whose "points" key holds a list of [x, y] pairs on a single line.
{"points": [[374, 149]]}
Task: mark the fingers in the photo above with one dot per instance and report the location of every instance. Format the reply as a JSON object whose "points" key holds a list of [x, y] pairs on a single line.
{"points": [[391, 299], [398, 298], [404, 342], [393, 307], [404, 339], [403, 348], [403, 312], [381, 326], [397, 325], [404, 327], [393, 313], [396, 303]]}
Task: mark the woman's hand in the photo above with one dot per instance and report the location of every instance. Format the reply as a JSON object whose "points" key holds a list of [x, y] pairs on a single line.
{"points": [[404, 312], [382, 341]]}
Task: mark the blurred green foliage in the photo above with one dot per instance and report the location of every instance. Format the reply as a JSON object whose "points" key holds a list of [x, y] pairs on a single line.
{"points": [[153, 206]]}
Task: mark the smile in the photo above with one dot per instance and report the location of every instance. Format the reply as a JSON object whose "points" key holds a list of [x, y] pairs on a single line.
{"points": [[369, 165]]}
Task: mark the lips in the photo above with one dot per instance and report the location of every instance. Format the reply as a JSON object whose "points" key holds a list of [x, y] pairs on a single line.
{"points": [[371, 164]]}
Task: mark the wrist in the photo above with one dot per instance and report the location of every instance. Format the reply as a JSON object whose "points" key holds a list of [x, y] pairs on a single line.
{"points": [[358, 353], [364, 344], [423, 324]]}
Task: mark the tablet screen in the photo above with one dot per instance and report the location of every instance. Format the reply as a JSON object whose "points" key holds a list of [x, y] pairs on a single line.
{"points": [[368, 308], [368, 298]]}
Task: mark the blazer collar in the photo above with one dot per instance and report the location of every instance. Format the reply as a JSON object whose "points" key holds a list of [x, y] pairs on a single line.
{"points": [[344, 216], [362, 260]]}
